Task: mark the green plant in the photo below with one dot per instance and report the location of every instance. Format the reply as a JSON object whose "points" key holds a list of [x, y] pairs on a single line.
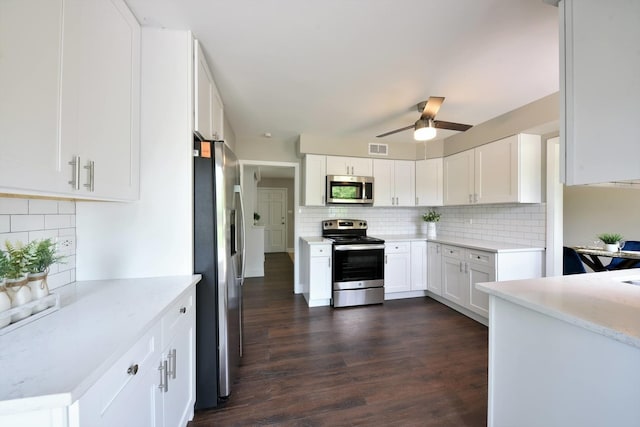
{"points": [[41, 255], [3, 264], [256, 216], [16, 260], [431, 216], [610, 238]]}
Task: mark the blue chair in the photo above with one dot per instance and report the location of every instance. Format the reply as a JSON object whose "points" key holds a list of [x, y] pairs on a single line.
{"points": [[571, 262], [630, 245]]}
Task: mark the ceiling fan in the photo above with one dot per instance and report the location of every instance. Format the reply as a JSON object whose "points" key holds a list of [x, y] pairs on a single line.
{"points": [[425, 127]]}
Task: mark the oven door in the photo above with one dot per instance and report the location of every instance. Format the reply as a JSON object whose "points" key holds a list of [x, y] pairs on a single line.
{"points": [[358, 266]]}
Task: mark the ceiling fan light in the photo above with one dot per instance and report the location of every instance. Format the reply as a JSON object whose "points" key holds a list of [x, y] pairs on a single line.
{"points": [[424, 130]]}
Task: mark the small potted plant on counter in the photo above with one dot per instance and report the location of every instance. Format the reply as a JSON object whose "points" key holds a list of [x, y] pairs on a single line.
{"points": [[612, 241], [40, 256], [16, 279], [430, 218], [5, 301]]}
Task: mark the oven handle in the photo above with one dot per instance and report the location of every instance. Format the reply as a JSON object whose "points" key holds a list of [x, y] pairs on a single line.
{"points": [[357, 247]]}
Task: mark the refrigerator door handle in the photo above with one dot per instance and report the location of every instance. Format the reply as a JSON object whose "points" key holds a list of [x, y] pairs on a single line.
{"points": [[238, 190]]}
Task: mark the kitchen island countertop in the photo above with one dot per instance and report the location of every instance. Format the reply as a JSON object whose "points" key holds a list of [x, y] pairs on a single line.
{"points": [[599, 302], [485, 245]]}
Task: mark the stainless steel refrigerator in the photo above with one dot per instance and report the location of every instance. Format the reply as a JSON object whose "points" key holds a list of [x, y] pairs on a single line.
{"points": [[219, 257]]}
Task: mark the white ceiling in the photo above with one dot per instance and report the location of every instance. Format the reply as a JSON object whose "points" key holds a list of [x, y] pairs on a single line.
{"points": [[358, 67]]}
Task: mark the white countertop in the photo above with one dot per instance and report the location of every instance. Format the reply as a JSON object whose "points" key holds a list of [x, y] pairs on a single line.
{"points": [[52, 361], [599, 302], [317, 240], [485, 245]]}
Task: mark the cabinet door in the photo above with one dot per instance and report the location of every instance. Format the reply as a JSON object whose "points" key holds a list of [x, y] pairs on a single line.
{"points": [[361, 166], [454, 282], [496, 171], [203, 91], [217, 112], [397, 267], [320, 275], [383, 185], [315, 174], [419, 266], [404, 182], [338, 165], [30, 70], [478, 300], [101, 96], [179, 398], [599, 65], [429, 182], [434, 268], [458, 178]]}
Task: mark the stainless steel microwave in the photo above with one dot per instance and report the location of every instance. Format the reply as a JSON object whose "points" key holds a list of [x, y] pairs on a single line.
{"points": [[348, 189]]}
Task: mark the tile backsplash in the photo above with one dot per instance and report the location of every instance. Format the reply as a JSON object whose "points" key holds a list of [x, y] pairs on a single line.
{"points": [[523, 224], [33, 219]]}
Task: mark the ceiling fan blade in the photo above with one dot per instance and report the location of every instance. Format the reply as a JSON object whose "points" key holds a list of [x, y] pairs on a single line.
{"points": [[394, 131], [431, 107], [439, 124]]}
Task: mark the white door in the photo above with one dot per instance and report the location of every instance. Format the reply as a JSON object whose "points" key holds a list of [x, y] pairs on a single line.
{"points": [[272, 207]]}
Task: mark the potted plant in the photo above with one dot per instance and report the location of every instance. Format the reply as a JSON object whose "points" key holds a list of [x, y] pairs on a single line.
{"points": [[5, 301], [430, 218], [256, 218], [612, 241], [16, 279], [40, 256]]}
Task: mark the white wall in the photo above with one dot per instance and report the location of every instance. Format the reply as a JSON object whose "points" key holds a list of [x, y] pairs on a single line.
{"points": [[154, 236], [589, 211]]}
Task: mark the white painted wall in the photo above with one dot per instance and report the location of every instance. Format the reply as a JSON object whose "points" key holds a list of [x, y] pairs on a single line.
{"points": [[154, 236], [589, 211]]}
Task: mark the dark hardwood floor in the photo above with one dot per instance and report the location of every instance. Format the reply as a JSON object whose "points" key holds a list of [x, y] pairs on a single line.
{"points": [[412, 362]]}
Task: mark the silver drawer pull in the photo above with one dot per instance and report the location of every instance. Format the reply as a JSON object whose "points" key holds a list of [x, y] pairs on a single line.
{"points": [[183, 310], [133, 369]]}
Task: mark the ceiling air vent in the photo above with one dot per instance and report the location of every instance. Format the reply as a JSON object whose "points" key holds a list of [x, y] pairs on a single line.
{"points": [[379, 149]]}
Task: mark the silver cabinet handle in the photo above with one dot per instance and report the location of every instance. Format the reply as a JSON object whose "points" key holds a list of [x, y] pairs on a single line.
{"points": [[329, 262], [347, 169], [133, 369], [460, 266], [91, 168], [385, 259], [466, 268], [475, 197], [323, 199], [173, 364], [470, 199], [75, 178], [164, 380], [417, 201], [183, 310]]}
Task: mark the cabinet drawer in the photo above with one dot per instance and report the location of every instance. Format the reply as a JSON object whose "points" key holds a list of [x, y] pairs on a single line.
{"points": [[320, 250], [452, 251], [120, 380], [397, 247], [173, 318], [480, 257]]}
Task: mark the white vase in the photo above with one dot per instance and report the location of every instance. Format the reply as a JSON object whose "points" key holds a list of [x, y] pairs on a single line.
{"points": [[611, 247], [20, 294], [39, 289], [5, 305], [431, 230]]}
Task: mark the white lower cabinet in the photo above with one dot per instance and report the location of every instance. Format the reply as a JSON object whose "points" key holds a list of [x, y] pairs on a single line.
{"points": [[153, 384], [434, 268], [419, 268], [315, 273], [397, 267]]}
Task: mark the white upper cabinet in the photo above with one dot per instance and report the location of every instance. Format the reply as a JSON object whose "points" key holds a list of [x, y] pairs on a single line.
{"points": [[314, 170], [208, 108], [101, 98], [600, 88], [358, 166], [509, 170], [429, 182], [458, 178], [30, 68], [394, 182], [71, 89], [504, 171]]}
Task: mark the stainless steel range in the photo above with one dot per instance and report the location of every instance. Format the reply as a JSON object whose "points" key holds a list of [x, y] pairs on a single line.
{"points": [[358, 263]]}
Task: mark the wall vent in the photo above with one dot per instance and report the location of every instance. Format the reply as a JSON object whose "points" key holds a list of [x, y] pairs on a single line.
{"points": [[379, 149]]}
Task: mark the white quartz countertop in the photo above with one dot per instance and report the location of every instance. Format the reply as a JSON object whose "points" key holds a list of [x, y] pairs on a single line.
{"points": [[485, 245], [316, 240], [599, 302], [52, 361]]}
